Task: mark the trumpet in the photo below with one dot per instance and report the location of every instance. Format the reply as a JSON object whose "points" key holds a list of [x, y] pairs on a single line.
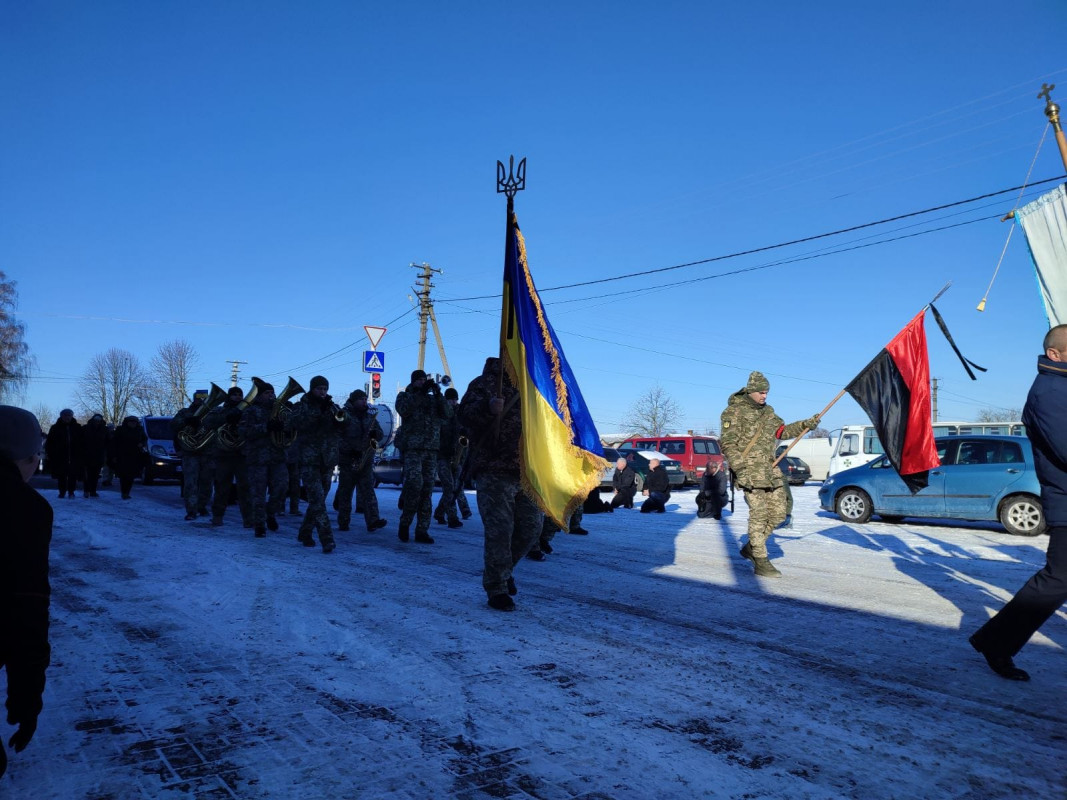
{"points": [[281, 411], [229, 437], [339, 414], [194, 441], [368, 456], [461, 451]]}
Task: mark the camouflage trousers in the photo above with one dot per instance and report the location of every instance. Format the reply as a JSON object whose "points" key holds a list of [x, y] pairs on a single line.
{"points": [[316, 480], [788, 500], [451, 492], [512, 525], [766, 511], [264, 477], [294, 486], [351, 478], [419, 467], [227, 468], [198, 477]]}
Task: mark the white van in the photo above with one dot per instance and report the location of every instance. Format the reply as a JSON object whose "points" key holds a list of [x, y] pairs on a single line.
{"points": [[816, 453]]}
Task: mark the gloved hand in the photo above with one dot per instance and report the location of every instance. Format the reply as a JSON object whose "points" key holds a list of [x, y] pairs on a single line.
{"points": [[275, 425], [22, 736], [193, 423], [811, 423], [233, 417]]}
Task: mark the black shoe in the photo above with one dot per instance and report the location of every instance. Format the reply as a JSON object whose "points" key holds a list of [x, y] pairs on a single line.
{"points": [[376, 526], [260, 531], [501, 602], [455, 523], [343, 528], [579, 531], [189, 517], [328, 547], [402, 534], [423, 538], [124, 497], [216, 521], [512, 588], [467, 515], [272, 523], [306, 540], [439, 520], [545, 547], [1002, 665], [535, 555]]}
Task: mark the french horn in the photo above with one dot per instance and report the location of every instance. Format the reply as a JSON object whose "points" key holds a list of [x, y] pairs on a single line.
{"points": [[192, 441]]}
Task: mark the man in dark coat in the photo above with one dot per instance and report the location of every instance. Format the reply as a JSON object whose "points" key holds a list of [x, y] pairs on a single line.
{"points": [[423, 409], [24, 589], [64, 448], [129, 450], [625, 483], [314, 419], [712, 496], [1005, 634], [360, 436], [512, 521], [449, 456], [228, 459], [96, 437], [657, 488]]}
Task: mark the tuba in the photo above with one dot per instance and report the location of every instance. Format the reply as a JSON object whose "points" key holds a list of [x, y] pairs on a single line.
{"points": [[282, 411], [229, 437], [195, 441]]}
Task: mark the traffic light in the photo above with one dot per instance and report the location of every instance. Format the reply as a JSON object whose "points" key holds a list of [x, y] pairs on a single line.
{"points": [[375, 385]]}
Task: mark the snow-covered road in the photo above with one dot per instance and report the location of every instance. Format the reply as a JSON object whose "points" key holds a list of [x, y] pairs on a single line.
{"points": [[643, 661]]}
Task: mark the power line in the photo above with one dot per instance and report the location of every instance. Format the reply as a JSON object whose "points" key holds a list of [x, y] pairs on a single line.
{"points": [[765, 248]]}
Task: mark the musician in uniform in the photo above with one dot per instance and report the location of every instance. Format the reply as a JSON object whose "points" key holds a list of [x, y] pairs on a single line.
{"points": [[198, 472], [359, 437], [229, 462], [423, 409], [450, 453], [316, 421], [264, 453]]}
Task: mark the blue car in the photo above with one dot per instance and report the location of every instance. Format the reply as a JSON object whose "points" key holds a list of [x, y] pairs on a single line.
{"points": [[980, 478]]}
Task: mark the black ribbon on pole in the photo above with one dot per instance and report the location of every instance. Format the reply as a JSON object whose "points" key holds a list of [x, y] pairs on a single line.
{"points": [[967, 364]]}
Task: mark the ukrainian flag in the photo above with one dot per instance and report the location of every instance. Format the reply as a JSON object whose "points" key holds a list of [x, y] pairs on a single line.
{"points": [[561, 457]]}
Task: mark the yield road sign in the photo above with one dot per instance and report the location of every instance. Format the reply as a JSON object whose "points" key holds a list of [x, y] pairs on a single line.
{"points": [[373, 361], [375, 335]]}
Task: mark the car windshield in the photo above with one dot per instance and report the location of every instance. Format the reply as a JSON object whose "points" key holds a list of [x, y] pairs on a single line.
{"points": [[158, 428]]}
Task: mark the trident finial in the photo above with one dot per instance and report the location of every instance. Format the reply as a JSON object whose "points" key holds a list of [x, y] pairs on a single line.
{"points": [[514, 182]]}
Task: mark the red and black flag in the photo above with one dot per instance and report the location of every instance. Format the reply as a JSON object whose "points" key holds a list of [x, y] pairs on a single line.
{"points": [[894, 390]]}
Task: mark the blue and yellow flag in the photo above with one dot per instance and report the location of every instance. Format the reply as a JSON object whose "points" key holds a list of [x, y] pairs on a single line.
{"points": [[561, 457]]}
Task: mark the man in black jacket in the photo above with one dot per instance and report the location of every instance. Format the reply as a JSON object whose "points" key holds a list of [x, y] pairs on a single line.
{"points": [[657, 488], [24, 589], [625, 482]]}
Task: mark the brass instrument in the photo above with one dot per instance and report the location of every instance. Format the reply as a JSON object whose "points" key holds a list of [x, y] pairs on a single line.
{"points": [[339, 414], [368, 456], [461, 451], [282, 411], [192, 441], [229, 436]]}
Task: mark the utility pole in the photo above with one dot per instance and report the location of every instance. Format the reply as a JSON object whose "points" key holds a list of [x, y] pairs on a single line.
{"points": [[933, 401], [426, 314], [234, 369]]}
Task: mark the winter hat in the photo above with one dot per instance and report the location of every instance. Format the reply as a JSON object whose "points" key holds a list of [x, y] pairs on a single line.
{"points": [[318, 380], [66, 412], [417, 374], [357, 394], [265, 387], [20, 433], [757, 383], [451, 394]]}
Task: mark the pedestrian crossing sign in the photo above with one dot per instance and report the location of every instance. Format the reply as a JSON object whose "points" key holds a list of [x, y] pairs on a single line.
{"points": [[373, 361]]}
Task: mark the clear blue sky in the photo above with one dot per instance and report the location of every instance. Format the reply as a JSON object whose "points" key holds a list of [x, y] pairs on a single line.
{"points": [[256, 178]]}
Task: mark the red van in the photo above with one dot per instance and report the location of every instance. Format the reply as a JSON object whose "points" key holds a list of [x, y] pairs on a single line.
{"points": [[692, 452]]}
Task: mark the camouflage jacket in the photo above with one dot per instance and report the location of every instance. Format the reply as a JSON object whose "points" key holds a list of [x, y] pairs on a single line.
{"points": [[745, 423], [422, 414], [449, 436], [356, 433], [492, 449], [259, 446], [317, 431]]}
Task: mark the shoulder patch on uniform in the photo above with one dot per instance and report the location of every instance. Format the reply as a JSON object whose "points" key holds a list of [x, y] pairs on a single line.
{"points": [[726, 424]]}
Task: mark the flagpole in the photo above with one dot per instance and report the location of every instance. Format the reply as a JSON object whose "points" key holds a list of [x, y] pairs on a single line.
{"points": [[840, 394], [1052, 111], [514, 181]]}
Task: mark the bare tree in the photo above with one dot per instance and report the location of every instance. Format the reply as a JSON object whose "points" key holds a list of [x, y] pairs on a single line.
{"points": [[110, 383], [653, 414], [45, 415], [171, 367], [15, 358], [819, 433], [1000, 415]]}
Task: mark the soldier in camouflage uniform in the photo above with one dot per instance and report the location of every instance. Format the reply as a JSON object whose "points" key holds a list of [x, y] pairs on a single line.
{"points": [[750, 430], [423, 410], [264, 460], [314, 420], [292, 464], [229, 463], [360, 429], [512, 521], [198, 472], [447, 471]]}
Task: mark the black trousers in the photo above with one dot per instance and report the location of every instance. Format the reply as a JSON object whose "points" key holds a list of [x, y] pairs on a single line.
{"points": [[625, 497], [1007, 632]]}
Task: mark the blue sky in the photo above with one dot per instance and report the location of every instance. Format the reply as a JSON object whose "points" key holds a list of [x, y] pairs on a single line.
{"points": [[256, 178]]}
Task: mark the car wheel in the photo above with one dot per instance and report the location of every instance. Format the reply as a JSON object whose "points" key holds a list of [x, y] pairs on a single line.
{"points": [[1021, 514], [640, 483], [891, 518], [853, 505]]}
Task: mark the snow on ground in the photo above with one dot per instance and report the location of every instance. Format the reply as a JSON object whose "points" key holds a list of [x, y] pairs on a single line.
{"points": [[644, 661]]}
